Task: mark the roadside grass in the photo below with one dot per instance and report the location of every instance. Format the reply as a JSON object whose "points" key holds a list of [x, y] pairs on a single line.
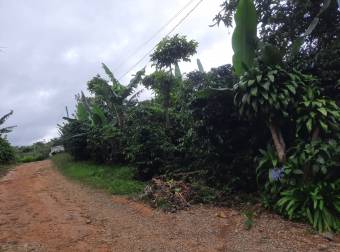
{"points": [[116, 179], [29, 159]]}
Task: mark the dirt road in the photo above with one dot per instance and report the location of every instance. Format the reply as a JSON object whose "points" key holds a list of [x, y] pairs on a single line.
{"points": [[40, 210]]}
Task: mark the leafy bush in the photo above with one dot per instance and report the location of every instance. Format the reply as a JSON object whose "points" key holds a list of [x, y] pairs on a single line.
{"points": [[148, 146], [105, 144], [227, 157], [307, 186], [74, 139], [319, 204], [6, 152]]}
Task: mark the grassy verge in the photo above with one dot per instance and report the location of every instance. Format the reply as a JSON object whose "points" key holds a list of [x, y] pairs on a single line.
{"points": [[116, 179]]}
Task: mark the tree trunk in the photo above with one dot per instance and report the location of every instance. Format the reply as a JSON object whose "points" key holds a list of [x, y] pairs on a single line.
{"points": [[167, 119], [316, 134], [119, 119], [307, 170], [279, 142]]}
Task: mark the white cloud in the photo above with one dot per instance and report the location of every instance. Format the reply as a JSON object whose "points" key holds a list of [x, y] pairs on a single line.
{"points": [[71, 56], [51, 133]]}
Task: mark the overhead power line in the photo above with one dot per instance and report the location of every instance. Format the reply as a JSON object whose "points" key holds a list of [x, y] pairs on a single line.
{"points": [[118, 66], [153, 48]]}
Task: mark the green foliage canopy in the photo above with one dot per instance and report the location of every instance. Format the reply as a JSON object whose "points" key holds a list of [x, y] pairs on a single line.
{"points": [[172, 50]]}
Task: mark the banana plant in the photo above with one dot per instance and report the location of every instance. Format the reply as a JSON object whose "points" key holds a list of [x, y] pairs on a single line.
{"points": [[115, 96], [244, 36]]}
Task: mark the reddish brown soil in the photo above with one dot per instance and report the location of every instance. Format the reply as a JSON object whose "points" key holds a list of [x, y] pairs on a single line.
{"points": [[40, 210]]}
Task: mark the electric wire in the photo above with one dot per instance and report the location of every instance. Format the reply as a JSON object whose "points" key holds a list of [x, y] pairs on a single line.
{"points": [[153, 48], [118, 66]]}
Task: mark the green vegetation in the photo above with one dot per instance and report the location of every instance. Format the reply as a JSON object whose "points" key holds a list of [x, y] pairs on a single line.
{"points": [[6, 150], [35, 152], [278, 105], [117, 179], [299, 173]]}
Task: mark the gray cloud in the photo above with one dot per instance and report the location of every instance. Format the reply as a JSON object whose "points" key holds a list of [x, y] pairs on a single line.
{"points": [[51, 48]]}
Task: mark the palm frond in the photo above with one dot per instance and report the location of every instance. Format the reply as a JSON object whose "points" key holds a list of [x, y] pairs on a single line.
{"points": [[6, 130], [5, 117]]}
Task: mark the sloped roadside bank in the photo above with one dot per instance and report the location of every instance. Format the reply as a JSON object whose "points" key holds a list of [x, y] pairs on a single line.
{"points": [[40, 210]]}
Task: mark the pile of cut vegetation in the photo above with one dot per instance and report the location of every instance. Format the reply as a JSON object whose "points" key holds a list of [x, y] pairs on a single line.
{"points": [[169, 195]]}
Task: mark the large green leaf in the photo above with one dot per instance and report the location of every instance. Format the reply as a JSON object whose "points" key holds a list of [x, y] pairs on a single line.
{"points": [[244, 36], [5, 117], [110, 74], [200, 66], [82, 114], [98, 116]]}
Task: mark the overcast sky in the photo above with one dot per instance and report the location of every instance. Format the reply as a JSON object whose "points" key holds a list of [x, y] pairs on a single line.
{"points": [[51, 48]]}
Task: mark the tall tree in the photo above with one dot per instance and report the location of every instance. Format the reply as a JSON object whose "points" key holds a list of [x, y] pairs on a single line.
{"points": [[168, 53]]}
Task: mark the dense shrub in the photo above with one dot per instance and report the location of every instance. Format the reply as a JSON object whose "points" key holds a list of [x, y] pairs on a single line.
{"points": [[216, 141], [74, 139], [105, 144], [6, 152], [316, 203], [148, 146], [227, 157], [307, 187]]}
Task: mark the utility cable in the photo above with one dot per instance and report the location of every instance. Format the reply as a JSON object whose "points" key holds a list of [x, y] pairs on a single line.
{"points": [[172, 30], [118, 66]]}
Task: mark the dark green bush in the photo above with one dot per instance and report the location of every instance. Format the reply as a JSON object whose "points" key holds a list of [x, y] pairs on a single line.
{"points": [[6, 152], [74, 138], [148, 146], [227, 156], [317, 203], [307, 186], [105, 144]]}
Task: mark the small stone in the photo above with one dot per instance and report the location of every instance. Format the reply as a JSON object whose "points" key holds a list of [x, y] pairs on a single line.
{"points": [[88, 221], [328, 235], [221, 215]]}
